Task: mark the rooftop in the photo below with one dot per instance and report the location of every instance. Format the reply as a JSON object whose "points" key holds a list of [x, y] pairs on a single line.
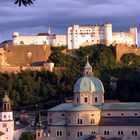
{"points": [[120, 121], [71, 107], [114, 106]]}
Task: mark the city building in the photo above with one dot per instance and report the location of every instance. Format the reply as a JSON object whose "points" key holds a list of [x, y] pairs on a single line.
{"points": [[79, 36], [59, 40], [90, 116]]}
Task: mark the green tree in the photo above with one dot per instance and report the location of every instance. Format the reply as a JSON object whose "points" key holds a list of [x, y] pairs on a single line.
{"points": [[24, 2], [27, 136]]}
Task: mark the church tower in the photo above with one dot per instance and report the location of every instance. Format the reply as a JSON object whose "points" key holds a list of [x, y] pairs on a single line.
{"points": [[6, 118], [39, 129]]}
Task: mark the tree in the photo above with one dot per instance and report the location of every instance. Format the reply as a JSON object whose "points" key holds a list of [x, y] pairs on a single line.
{"points": [[27, 136], [24, 2]]}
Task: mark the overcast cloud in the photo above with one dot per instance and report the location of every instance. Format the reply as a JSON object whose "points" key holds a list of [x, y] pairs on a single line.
{"points": [[60, 14]]}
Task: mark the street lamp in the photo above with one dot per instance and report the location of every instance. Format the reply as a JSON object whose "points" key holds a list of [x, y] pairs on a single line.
{"points": [[29, 54]]}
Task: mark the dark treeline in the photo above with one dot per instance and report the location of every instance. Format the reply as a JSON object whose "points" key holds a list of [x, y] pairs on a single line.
{"points": [[48, 89]]}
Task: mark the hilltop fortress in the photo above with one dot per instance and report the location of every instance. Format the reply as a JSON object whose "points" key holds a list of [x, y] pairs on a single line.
{"points": [[79, 36], [35, 50]]}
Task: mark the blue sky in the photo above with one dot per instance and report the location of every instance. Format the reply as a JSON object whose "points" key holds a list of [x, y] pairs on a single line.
{"points": [[60, 14]]}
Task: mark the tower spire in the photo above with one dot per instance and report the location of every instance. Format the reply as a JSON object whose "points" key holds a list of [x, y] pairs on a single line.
{"points": [[6, 102], [49, 31], [87, 69]]}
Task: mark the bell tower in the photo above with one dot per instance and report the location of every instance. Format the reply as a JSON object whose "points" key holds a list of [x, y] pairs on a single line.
{"points": [[39, 128], [6, 118]]}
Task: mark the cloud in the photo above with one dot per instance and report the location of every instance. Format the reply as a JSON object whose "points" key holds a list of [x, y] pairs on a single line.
{"points": [[59, 14]]}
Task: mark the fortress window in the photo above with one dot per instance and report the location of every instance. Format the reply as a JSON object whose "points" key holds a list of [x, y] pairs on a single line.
{"points": [[86, 100]]}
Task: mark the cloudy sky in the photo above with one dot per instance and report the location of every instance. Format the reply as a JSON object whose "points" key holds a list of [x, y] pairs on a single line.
{"points": [[60, 14]]}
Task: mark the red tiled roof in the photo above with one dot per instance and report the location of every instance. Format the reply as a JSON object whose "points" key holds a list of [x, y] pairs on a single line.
{"points": [[43, 34]]}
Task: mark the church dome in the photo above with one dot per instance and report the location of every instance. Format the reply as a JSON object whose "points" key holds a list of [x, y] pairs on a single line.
{"points": [[88, 83]]}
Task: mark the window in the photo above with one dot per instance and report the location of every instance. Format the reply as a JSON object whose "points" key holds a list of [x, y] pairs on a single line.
{"points": [[120, 132], [59, 133], [63, 114], [134, 133], [106, 132], [6, 129], [86, 100], [122, 114], [69, 121], [96, 100], [77, 99], [135, 114], [38, 134], [4, 116], [92, 121], [93, 132], [68, 133], [92, 114], [79, 121], [79, 134], [50, 120], [108, 114]]}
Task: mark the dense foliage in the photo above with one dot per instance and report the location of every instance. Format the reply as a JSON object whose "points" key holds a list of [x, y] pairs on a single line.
{"points": [[47, 89], [27, 136]]}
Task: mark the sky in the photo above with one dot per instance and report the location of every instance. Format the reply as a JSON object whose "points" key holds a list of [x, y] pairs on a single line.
{"points": [[60, 14]]}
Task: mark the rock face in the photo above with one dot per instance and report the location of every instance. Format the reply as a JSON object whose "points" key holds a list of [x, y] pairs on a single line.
{"points": [[24, 55]]}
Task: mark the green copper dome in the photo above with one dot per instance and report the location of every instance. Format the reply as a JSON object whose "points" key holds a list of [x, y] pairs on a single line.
{"points": [[88, 83]]}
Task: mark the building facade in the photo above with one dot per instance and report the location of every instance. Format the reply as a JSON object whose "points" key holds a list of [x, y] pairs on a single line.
{"points": [[40, 39], [59, 40], [79, 36], [89, 115]]}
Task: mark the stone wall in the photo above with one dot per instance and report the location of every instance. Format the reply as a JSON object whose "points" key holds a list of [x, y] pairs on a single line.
{"points": [[25, 55], [124, 49]]}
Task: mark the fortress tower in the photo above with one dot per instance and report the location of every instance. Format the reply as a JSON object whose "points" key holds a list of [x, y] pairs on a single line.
{"points": [[108, 33], [134, 32], [15, 38]]}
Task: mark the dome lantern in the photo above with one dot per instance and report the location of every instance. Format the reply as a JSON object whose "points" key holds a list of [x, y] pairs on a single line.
{"points": [[87, 69]]}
